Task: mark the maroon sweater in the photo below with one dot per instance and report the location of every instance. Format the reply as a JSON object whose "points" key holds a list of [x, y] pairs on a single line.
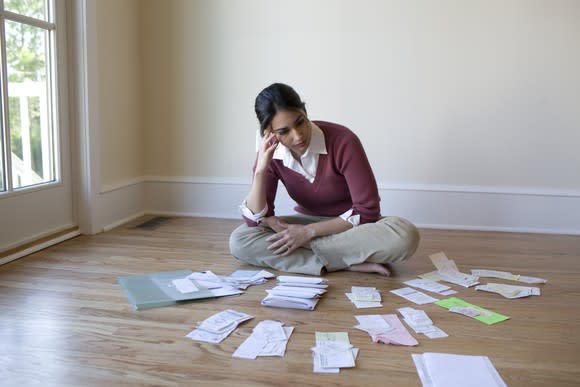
{"points": [[344, 180]]}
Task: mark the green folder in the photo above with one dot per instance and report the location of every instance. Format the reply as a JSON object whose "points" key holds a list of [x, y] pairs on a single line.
{"points": [[155, 290]]}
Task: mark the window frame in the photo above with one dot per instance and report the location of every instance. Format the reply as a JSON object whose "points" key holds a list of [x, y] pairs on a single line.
{"points": [[51, 53]]}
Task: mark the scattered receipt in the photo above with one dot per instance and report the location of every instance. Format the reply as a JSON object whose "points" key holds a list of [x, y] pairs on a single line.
{"points": [[507, 275], [213, 283], [421, 323], [413, 295], [219, 326], [509, 291], [447, 270], [365, 297], [363, 293], [242, 279], [386, 329], [268, 338], [332, 352], [430, 286]]}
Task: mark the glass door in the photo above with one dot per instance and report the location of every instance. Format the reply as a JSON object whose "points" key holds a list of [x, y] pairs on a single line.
{"points": [[35, 186]]}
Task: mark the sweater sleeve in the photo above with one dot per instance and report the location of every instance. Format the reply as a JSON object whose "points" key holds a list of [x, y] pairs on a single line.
{"points": [[354, 165], [271, 182]]}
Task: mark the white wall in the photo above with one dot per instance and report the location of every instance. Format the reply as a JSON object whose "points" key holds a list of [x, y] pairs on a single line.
{"points": [[109, 112], [470, 106], [120, 91], [450, 92]]}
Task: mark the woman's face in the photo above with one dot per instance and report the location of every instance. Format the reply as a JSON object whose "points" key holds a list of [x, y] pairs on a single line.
{"points": [[292, 129]]}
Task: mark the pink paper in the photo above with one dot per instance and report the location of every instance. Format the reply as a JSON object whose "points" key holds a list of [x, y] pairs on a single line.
{"points": [[397, 336]]}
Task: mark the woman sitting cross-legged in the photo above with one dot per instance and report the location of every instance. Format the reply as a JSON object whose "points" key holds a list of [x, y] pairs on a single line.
{"points": [[323, 165]]}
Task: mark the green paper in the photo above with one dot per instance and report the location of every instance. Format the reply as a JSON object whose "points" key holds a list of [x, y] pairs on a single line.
{"points": [[331, 336], [493, 318]]}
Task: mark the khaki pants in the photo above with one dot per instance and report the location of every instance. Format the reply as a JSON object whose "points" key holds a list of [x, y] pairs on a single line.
{"points": [[389, 240]]}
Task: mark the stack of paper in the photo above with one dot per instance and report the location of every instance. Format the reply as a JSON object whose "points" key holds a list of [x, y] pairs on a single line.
{"points": [[386, 329], [219, 326], [213, 283], [509, 291], [242, 279], [447, 370], [421, 323], [332, 352], [365, 297], [448, 271], [268, 338], [296, 292], [507, 275], [307, 282]]}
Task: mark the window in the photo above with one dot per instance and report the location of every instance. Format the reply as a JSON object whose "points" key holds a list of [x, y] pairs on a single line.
{"points": [[28, 136]]}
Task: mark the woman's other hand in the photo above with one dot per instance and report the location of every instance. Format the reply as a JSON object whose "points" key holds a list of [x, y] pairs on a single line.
{"points": [[274, 223], [289, 239]]}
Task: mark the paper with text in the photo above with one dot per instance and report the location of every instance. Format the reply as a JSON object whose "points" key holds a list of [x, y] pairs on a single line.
{"points": [[413, 295], [332, 352], [449, 272], [363, 304], [485, 316], [219, 326], [507, 275], [509, 291], [421, 323], [268, 338], [430, 286]]}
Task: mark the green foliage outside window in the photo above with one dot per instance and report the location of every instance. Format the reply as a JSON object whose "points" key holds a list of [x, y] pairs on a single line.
{"points": [[25, 56]]}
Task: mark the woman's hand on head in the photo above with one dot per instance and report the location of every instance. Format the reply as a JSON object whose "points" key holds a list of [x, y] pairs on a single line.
{"points": [[266, 151]]}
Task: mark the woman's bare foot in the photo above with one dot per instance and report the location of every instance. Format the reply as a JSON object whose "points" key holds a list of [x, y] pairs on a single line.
{"points": [[369, 267]]}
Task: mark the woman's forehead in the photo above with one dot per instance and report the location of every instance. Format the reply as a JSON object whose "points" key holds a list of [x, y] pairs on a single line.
{"points": [[286, 118]]}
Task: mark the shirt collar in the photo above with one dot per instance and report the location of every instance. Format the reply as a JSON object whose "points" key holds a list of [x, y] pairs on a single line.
{"points": [[317, 146]]}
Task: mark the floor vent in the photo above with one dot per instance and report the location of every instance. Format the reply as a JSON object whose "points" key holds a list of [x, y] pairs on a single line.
{"points": [[153, 223]]}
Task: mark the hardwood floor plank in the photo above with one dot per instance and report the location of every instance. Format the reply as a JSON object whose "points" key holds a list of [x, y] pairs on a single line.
{"points": [[65, 321]]}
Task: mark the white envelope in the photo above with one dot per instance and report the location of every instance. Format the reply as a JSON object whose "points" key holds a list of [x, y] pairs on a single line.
{"points": [[289, 302]]}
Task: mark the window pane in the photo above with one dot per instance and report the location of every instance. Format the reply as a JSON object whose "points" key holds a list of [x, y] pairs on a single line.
{"points": [[28, 105], [32, 8]]}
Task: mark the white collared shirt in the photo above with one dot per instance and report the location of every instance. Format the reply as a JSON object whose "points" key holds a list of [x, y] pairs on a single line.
{"points": [[307, 167], [309, 160]]}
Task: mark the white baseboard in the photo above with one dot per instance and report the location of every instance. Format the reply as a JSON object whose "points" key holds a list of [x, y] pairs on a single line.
{"points": [[120, 204], [36, 237], [428, 206], [39, 246], [487, 211]]}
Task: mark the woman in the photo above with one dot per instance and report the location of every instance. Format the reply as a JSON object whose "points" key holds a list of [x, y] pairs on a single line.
{"points": [[338, 225]]}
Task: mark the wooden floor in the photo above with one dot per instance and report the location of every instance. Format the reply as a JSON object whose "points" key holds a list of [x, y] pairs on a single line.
{"points": [[65, 321]]}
